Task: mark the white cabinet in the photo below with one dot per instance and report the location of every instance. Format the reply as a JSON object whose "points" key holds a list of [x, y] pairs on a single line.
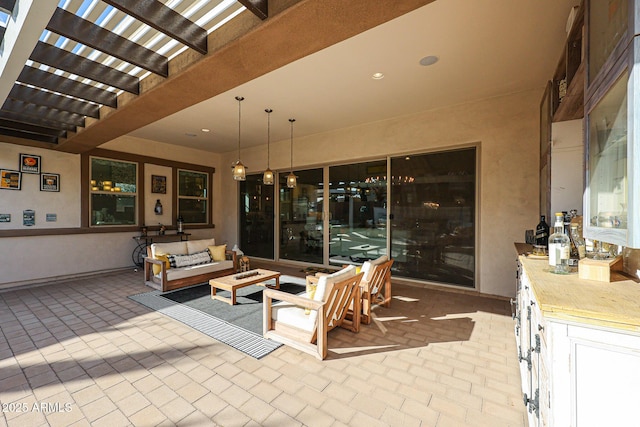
{"points": [[612, 113], [576, 370]]}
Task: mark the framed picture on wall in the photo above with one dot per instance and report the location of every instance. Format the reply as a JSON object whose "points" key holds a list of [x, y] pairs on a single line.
{"points": [[158, 184], [30, 163], [10, 180], [49, 182]]}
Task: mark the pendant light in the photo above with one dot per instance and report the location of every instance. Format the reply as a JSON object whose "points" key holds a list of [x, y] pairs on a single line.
{"points": [[239, 171], [267, 178], [291, 178]]}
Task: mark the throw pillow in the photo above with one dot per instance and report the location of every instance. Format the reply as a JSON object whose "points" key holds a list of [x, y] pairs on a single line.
{"points": [[218, 252], [188, 260], [156, 268]]}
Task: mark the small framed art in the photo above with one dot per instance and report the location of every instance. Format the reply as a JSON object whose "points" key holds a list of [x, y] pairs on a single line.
{"points": [[49, 182], [158, 184], [30, 163], [10, 180]]}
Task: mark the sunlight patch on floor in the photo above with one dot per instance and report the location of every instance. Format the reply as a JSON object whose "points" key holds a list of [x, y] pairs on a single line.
{"points": [[405, 299], [348, 350]]}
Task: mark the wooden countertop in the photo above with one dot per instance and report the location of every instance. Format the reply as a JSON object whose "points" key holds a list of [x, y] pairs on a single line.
{"points": [[613, 305]]}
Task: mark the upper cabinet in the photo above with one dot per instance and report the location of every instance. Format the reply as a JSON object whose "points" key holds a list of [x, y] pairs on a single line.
{"points": [[612, 115], [568, 79]]}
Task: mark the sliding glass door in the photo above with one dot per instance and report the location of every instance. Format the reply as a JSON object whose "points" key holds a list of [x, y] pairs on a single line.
{"points": [[357, 212], [301, 229], [256, 217], [419, 209], [433, 206]]}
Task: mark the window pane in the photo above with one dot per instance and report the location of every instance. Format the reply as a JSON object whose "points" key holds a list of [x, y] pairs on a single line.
{"points": [[113, 192], [110, 175], [256, 217], [193, 188], [113, 209], [192, 184], [357, 212], [433, 205], [301, 217], [193, 211]]}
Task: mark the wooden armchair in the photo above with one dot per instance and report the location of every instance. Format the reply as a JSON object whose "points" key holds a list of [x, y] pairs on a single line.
{"points": [[288, 323], [377, 289]]}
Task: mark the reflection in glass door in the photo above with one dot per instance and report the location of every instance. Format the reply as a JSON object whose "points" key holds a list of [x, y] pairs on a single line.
{"points": [[256, 217], [433, 205], [301, 217], [357, 212]]}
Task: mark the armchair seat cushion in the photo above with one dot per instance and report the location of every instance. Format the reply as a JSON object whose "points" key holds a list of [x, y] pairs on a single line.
{"points": [[294, 316]]}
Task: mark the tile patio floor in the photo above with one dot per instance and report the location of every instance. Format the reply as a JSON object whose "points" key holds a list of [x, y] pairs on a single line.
{"points": [[81, 353]]}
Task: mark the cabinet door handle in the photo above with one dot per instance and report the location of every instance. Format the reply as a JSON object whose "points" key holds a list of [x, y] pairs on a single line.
{"points": [[533, 404]]}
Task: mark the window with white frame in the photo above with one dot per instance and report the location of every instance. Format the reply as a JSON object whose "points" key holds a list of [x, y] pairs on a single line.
{"points": [[113, 192]]}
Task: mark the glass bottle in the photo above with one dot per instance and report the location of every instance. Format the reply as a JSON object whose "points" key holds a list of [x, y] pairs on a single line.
{"points": [[542, 232], [578, 241], [559, 247]]}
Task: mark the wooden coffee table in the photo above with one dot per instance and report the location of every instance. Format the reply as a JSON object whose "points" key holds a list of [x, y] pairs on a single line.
{"points": [[233, 282]]}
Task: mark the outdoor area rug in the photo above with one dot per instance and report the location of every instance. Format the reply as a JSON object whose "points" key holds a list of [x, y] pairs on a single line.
{"points": [[239, 326]]}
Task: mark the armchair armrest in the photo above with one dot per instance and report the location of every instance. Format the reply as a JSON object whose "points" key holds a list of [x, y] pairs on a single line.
{"points": [[231, 255], [271, 294]]}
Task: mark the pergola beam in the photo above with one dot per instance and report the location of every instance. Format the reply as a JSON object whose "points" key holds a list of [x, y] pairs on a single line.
{"points": [[55, 83], [260, 8], [89, 34], [64, 60], [166, 20]]}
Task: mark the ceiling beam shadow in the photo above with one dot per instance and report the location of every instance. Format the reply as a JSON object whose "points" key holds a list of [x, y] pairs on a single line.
{"points": [[64, 60], [166, 20], [56, 83], [89, 34]]}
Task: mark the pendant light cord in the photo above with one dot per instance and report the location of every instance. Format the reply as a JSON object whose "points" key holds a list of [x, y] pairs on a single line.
{"points": [[269, 111], [239, 99], [292, 120]]}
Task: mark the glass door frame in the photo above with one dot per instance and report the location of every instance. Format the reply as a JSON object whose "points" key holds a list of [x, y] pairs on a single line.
{"points": [[325, 213]]}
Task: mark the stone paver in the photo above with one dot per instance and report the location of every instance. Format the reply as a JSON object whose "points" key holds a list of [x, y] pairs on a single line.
{"points": [[81, 353]]}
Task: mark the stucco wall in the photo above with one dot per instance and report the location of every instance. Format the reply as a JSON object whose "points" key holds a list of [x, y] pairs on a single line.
{"points": [[14, 202], [506, 131], [35, 259]]}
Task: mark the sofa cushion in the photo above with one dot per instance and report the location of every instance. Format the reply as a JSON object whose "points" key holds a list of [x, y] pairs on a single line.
{"points": [[212, 267], [191, 259], [325, 282], [194, 246], [367, 267], [218, 252], [178, 248]]}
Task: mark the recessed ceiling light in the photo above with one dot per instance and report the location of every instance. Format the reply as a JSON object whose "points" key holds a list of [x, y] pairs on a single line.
{"points": [[377, 76], [428, 60], [205, 130]]}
